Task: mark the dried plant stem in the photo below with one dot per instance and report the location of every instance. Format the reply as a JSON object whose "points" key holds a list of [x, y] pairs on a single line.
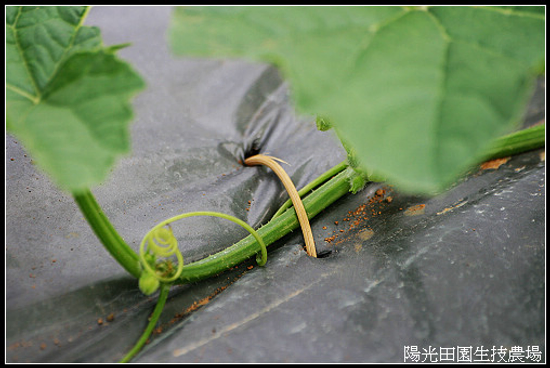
{"points": [[293, 194]]}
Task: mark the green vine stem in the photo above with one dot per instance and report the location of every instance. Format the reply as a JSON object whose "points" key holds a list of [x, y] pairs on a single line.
{"points": [[324, 196], [163, 295], [270, 232], [107, 234], [161, 242], [261, 259], [517, 142], [336, 182], [279, 226]]}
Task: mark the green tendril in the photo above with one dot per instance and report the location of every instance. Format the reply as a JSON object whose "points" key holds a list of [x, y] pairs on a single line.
{"points": [[160, 242]]}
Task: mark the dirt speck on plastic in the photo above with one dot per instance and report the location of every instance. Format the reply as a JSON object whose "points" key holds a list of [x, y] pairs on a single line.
{"points": [[494, 164], [415, 210]]}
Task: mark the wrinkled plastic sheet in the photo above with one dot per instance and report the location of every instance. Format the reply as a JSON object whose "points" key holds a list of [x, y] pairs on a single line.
{"points": [[463, 269]]}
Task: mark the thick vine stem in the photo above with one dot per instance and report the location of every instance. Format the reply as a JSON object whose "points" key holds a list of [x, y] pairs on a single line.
{"points": [[107, 234], [523, 140], [292, 193], [285, 221], [161, 242], [334, 188], [274, 230], [261, 258]]}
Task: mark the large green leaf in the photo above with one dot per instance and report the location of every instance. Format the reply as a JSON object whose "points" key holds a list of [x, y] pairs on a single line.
{"points": [[419, 93], [67, 96]]}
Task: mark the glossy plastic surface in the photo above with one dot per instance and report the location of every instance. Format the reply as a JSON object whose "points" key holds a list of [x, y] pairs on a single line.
{"points": [[463, 269]]}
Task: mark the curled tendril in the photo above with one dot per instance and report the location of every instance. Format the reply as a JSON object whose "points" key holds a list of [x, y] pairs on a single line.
{"points": [[168, 244], [161, 242]]}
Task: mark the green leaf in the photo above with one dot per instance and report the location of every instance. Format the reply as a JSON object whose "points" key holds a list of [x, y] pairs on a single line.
{"points": [[420, 93], [67, 96]]}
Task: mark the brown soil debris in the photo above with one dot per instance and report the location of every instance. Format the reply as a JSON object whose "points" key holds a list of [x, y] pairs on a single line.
{"points": [[362, 213], [365, 234], [494, 164], [415, 210]]}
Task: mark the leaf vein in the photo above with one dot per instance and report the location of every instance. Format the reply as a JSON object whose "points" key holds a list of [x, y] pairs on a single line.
{"points": [[71, 42], [17, 44], [511, 12], [22, 93]]}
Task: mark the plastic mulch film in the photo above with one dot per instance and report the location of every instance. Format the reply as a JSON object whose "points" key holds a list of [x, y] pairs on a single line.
{"points": [[408, 278]]}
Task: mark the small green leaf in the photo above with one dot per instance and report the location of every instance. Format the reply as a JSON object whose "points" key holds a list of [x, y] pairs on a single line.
{"points": [[418, 92], [67, 97]]}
